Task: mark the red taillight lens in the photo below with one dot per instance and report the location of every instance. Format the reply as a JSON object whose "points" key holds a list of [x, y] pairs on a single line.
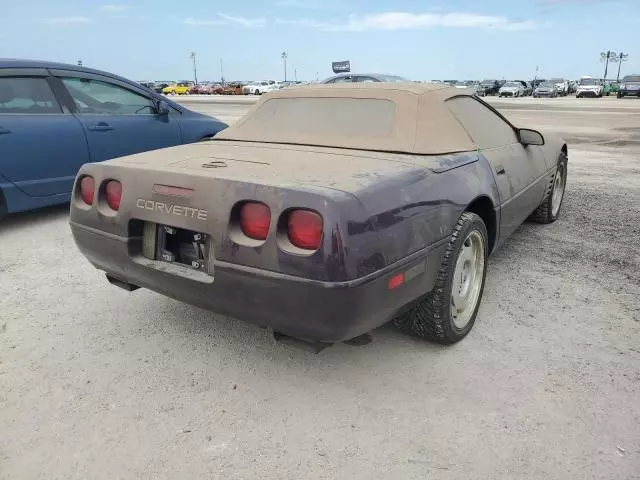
{"points": [[395, 281], [87, 189], [114, 194], [255, 219], [305, 229]]}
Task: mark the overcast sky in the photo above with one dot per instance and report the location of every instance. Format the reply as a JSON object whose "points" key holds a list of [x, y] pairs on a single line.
{"points": [[422, 40]]}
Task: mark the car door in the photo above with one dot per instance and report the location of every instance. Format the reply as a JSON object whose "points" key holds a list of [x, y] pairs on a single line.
{"points": [[42, 145], [119, 119], [519, 170]]}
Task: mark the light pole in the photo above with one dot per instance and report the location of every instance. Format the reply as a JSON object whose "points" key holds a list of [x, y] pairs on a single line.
{"points": [[195, 73], [606, 57], [284, 56], [221, 73], [622, 57]]}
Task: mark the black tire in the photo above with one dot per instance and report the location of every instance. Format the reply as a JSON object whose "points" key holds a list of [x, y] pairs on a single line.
{"points": [[544, 213], [430, 316]]}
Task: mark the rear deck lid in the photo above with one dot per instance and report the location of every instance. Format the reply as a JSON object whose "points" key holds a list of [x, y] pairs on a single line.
{"points": [[286, 165]]}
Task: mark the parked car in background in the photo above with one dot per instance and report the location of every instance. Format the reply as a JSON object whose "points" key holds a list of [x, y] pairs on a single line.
{"points": [[589, 87], [326, 226], [526, 86], [490, 87], [201, 89], [562, 85], [159, 86], [573, 86], [546, 89], [511, 89], [365, 77], [477, 90], [258, 88], [181, 88], [230, 88], [56, 117], [629, 87], [537, 81]]}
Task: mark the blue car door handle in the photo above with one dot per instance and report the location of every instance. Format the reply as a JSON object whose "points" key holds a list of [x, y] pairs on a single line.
{"points": [[4, 131], [101, 127]]}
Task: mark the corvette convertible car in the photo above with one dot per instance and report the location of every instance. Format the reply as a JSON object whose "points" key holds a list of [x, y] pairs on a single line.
{"points": [[327, 211]]}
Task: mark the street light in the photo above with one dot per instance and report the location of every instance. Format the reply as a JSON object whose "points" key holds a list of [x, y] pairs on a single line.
{"points": [[607, 57], [192, 55], [621, 57], [284, 56]]}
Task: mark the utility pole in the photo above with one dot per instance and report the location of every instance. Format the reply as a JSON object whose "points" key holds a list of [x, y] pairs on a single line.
{"points": [[606, 57], [284, 56], [195, 73], [295, 74], [535, 79], [221, 72], [622, 57]]}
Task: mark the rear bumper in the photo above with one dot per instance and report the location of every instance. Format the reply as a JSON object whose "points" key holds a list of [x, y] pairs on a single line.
{"points": [[302, 308], [629, 93]]}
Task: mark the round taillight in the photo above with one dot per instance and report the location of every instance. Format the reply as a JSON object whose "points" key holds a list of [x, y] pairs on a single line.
{"points": [[87, 189], [255, 219], [305, 229], [114, 194]]}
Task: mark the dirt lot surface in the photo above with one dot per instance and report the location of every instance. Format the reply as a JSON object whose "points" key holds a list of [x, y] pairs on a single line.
{"points": [[96, 383]]}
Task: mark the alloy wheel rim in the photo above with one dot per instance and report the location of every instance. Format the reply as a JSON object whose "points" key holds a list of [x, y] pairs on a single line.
{"points": [[467, 279], [558, 191]]}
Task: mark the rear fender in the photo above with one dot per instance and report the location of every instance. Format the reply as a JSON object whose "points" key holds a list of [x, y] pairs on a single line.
{"points": [[423, 209]]}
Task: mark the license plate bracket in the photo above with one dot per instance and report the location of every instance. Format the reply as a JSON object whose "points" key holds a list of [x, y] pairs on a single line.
{"points": [[178, 246]]}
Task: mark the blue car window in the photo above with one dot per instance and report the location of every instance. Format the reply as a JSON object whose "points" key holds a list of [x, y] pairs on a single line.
{"points": [[101, 98], [27, 95]]}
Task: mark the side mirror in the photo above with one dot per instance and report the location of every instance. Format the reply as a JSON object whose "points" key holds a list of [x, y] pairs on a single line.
{"points": [[162, 108], [530, 137]]}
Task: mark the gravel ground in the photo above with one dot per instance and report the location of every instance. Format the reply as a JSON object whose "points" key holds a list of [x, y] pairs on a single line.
{"points": [[96, 383]]}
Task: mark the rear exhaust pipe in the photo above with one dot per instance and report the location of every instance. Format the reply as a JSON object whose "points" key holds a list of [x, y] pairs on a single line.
{"points": [[129, 287], [297, 344]]}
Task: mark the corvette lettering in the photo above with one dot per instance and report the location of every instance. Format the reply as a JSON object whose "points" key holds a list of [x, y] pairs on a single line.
{"points": [[171, 209]]}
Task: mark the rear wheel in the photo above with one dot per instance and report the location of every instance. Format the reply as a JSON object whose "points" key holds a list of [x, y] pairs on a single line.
{"points": [[549, 209], [447, 313]]}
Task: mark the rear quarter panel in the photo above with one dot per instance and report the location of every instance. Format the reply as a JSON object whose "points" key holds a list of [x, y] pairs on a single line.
{"points": [[422, 208]]}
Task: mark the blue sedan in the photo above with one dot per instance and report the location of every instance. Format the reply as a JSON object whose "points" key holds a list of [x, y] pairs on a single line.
{"points": [[56, 117]]}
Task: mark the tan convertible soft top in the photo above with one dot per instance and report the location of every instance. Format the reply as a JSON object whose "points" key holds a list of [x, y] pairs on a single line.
{"points": [[391, 117]]}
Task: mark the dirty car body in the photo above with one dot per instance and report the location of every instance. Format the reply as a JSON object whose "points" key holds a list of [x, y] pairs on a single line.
{"points": [[353, 192]]}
